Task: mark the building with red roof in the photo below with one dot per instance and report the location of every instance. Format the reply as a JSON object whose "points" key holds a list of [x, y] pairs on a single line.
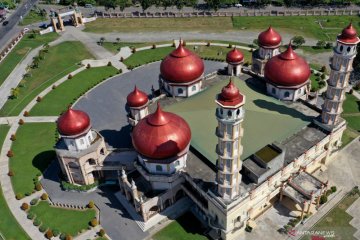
{"points": [[269, 42], [235, 60], [181, 72], [287, 76], [138, 102]]}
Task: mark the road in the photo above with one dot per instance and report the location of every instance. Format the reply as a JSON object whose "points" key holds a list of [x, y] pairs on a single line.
{"points": [[9, 31]]}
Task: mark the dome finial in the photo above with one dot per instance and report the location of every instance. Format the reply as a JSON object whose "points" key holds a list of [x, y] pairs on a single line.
{"points": [[158, 118]]}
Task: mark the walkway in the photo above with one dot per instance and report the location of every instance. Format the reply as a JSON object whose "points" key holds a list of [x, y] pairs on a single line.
{"points": [[354, 211]]}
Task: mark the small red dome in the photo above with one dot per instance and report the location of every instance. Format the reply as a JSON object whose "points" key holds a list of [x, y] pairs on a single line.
{"points": [[235, 56], [287, 69], [73, 122], [230, 95], [137, 98], [349, 35], [269, 38], [181, 66], [161, 135]]}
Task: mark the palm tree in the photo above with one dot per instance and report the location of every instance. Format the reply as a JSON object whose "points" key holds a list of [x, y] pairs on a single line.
{"points": [[15, 92]]}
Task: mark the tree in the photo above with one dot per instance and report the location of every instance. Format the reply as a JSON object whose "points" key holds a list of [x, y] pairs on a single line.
{"points": [[102, 40], [298, 41], [213, 4], [320, 44], [118, 40], [145, 4], [15, 92], [122, 4]]}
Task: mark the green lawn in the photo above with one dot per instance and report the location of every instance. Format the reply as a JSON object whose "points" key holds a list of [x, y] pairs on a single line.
{"points": [[313, 50], [59, 61], [299, 25], [348, 136], [21, 50], [33, 151], [185, 227], [146, 56], [151, 55], [55, 102], [351, 104], [263, 114], [353, 122], [337, 220], [32, 17], [65, 220], [105, 25], [114, 47], [9, 227], [296, 25]]}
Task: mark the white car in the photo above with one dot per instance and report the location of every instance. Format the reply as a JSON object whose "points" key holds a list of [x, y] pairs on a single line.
{"points": [[238, 5]]}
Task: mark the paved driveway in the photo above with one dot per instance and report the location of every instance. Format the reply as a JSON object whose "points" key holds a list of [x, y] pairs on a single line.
{"points": [[113, 217], [106, 103]]}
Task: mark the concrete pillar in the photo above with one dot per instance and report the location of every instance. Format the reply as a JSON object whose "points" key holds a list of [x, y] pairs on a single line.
{"points": [[53, 22], [302, 211]]}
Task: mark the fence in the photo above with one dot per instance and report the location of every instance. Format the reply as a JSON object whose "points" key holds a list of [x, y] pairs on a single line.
{"points": [[245, 13]]}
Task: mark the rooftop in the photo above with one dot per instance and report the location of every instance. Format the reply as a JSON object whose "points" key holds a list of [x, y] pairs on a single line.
{"points": [[265, 118], [267, 153]]}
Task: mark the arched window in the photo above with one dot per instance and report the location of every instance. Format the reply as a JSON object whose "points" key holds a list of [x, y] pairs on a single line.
{"points": [[299, 91], [273, 90], [180, 91], [287, 94], [92, 161], [238, 112], [177, 163], [159, 168], [341, 48], [229, 113], [348, 49], [193, 88], [221, 111]]}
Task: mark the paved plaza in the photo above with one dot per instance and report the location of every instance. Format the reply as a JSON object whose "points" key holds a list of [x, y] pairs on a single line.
{"points": [[106, 103]]}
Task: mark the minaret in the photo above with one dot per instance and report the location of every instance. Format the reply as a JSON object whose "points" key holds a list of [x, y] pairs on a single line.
{"points": [[138, 102], [341, 68], [230, 115]]}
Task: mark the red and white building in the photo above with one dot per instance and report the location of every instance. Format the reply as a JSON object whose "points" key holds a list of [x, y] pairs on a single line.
{"points": [[235, 61], [181, 73], [138, 102], [287, 76], [269, 42]]}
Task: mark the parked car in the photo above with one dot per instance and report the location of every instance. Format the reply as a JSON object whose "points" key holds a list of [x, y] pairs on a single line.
{"points": [[238, 5], [88, 5]]}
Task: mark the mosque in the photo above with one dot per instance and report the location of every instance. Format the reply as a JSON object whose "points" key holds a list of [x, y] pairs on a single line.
{"points": [[232, 194]]}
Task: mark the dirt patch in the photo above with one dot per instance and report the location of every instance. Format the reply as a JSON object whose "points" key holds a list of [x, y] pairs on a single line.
{"points": [[328, 219], [342, 206], [22, 51]]}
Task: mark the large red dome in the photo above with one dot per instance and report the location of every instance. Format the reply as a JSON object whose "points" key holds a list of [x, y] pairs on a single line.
{"points": [[234, 56], [137, 98], [73, 122], [269, 38], [349, 35], [287, 69], [230, 95], [181, 66], [161, 135]]}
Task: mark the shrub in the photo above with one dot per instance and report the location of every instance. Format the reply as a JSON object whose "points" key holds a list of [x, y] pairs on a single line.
{"points": [[38, 186], [31, 216], [49, 234], [153, 46], [26, 113], [102, 232], [68, 237], [19, 196], [37, 222], [120, 71], [323, 76], [91, 204], [25, 206], [10, 173], [88, 66], [53, 86], [328, 192], [351, 91], [184, 43], [323, 199], [13, 137], [34, 201], [38, 99], [43, 228], [21, 122], [133, 50], [109, 64], [10, 154], [248, 228], [93, 222], [62, 236], [56, 232], [70, 76], [323, 69], [230, 45], [44, 197], [208, 44]]}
